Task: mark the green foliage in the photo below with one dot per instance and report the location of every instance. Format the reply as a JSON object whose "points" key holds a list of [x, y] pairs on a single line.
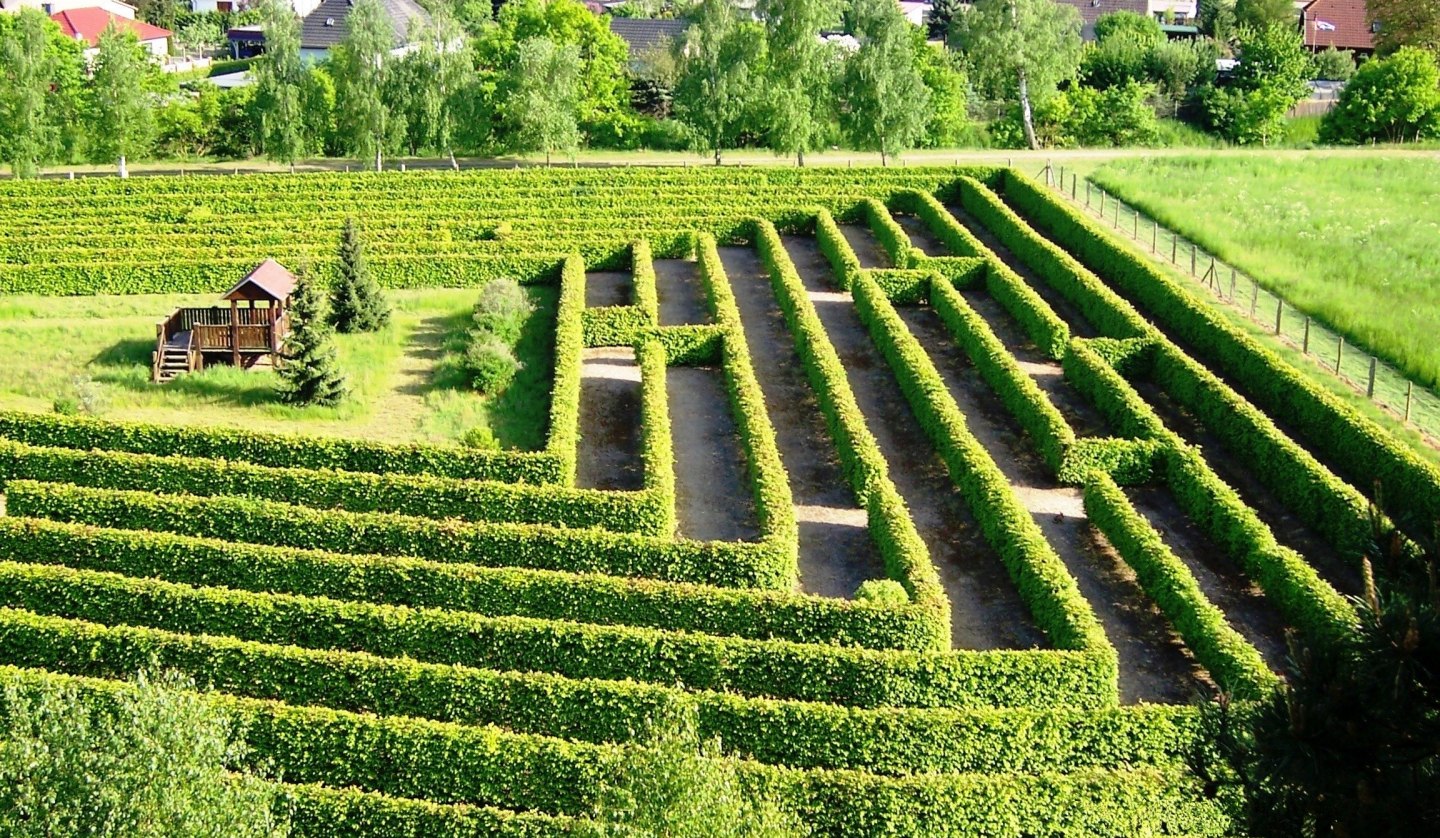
{"points": [[1270, 78], [279, 84], [1119, 115], [122, 124], [502, 309], [1394, 99], [720, 75], [27, 127], [678, 787], [1405, 23], [356, 302], [310, 372], [799, 73], [884, 98], [1334, 64], [1127, 24], [490, 363], [942, 71], [70, 766], [1261, 14], [544, 109], [361, 67]]}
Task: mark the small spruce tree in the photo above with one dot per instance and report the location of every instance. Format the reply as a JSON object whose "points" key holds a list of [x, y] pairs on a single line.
{"points": [[310, 373], [356, 302]]}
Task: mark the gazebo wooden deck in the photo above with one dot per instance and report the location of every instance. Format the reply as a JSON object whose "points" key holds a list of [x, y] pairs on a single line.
{"points": [[191, 338]]}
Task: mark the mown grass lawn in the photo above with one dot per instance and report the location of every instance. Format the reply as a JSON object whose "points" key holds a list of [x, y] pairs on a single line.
{"points": [[1351, 240], [402, 389]]}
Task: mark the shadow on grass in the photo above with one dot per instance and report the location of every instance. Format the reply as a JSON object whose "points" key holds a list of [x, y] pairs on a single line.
{"points": [[126, 353], [219, 385], [520, 417]]}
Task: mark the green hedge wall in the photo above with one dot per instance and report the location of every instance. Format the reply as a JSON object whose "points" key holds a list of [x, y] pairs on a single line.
{"points": [[904, 554], [586, 598], [893, 741], [1232, 662], [492, 545], [622, 325], [564, 438], [656, 445], [446, 763], [1361, 451], [648, 513], [279, 450]]}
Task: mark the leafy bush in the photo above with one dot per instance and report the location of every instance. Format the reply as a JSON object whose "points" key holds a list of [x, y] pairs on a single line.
{"points": [[502, 309], [76, 767], [1334, 64], [1395, 99], [1271, 76], [492, 364]]}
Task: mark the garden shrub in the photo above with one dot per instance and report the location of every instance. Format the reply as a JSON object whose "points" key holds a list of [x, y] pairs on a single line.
{"points": [[491, 363], [502, 309]]}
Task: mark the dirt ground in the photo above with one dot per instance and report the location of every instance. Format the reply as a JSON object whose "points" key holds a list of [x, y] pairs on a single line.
{"points": [[713, 500], [682, 300], [609, 452], [609, 288], [1221, 580], [862, 241], [921, 236], [1154, 664], [986, 609], [836, 552]]}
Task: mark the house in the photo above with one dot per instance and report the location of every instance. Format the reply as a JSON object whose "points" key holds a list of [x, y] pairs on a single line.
{"points": [[1343, 24], [324, 27], [87, 24], [1176, 17], [644, 35]]}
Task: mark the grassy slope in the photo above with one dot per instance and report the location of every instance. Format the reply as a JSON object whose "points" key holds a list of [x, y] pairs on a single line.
{"points": [[401, 392], [1348, 239]]}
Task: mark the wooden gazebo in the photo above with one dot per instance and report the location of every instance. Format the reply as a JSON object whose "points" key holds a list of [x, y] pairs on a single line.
{"points": [[252, 329]]}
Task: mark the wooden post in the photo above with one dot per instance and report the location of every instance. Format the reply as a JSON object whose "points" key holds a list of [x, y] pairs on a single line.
{"points": [[1135, 227], [235, 333], [1409, 389], [1305, 345], [1174, 250], [1254, 297], [1117, 215], [1339, 354], [1087, 194], [1232, 283], [1370, 386], [1154, 235], [1192, 258], [1279, 312], [1215, 280], [1102, 203]]}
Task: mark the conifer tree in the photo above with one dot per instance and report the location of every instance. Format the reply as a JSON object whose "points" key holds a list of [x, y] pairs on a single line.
{"points": [[356, 302], [311, 373]]}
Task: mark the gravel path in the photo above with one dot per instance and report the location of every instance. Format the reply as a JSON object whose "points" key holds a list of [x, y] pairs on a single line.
{"points": [[986, 609], [609, 288], [836, 552], [609, 453], [713, 499], [682, 300]]}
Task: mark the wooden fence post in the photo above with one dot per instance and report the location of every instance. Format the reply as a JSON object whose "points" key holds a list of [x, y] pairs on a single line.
{"points": [[1174, 250], [1409, 389], [1075, 187], [1305, 346], [1135, 228], [1154, 235], [1339, 354], [1232, 283], [1102, 203], [1254, 297], [1370, 386], [1192, 258], [1087, 194], [1279, 312]]}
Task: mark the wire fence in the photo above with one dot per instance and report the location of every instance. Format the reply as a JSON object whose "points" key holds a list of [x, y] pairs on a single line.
{"points": [[1417, 406]]}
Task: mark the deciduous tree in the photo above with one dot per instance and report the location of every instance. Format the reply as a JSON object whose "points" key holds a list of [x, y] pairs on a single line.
{"points": [[799, 75], [28, 133], [360, 66], [1259, 14], [1269, 79], [546, 85], [718, 81], [1020, 51], [434, 75], [1405, 23], [279, 83], [1392, 99], [122, 125], [885, 99]]}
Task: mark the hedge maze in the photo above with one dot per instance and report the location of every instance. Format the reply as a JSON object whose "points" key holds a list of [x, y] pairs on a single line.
{"points": [[928, 500]]}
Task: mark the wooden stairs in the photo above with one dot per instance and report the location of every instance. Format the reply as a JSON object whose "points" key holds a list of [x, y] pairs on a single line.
{"points": [[173, 358]]}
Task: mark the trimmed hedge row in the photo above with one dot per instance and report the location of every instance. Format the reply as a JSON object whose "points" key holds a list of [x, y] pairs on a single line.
{"points": [[1124, 409], [1103, 308], [1040, 576], [1360, 450], [1307, 602], [279, 450], [622, 325], [657, 451], [1335, 510], [644, 513], [894, 741], [891, 236], [543, 594], [774, 669], [564, 439], [447, 763], [492, 545], [903, 552], [1233, 663], [769, 482]]}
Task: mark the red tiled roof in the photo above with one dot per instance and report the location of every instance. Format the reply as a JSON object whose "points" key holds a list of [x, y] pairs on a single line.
{"points": [[89, 22], [1342, 24], [270, 278]]}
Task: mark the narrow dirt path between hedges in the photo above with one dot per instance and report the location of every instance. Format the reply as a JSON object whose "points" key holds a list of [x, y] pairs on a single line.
{"points": [[1289, 530], [1154, 663], [609, 288], [986, 609], [836, 551], [1047, 373], [1241, 601], [712, 495], [1080, 326], [682, 300], [609, 451], [866, 248]]}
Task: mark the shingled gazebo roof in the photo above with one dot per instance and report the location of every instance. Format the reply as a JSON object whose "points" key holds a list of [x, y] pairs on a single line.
{"points": [[270, 281]]}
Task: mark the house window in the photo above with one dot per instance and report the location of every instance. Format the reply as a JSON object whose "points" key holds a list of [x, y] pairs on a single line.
{"points": [[48, 8], [1374, 27]]}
